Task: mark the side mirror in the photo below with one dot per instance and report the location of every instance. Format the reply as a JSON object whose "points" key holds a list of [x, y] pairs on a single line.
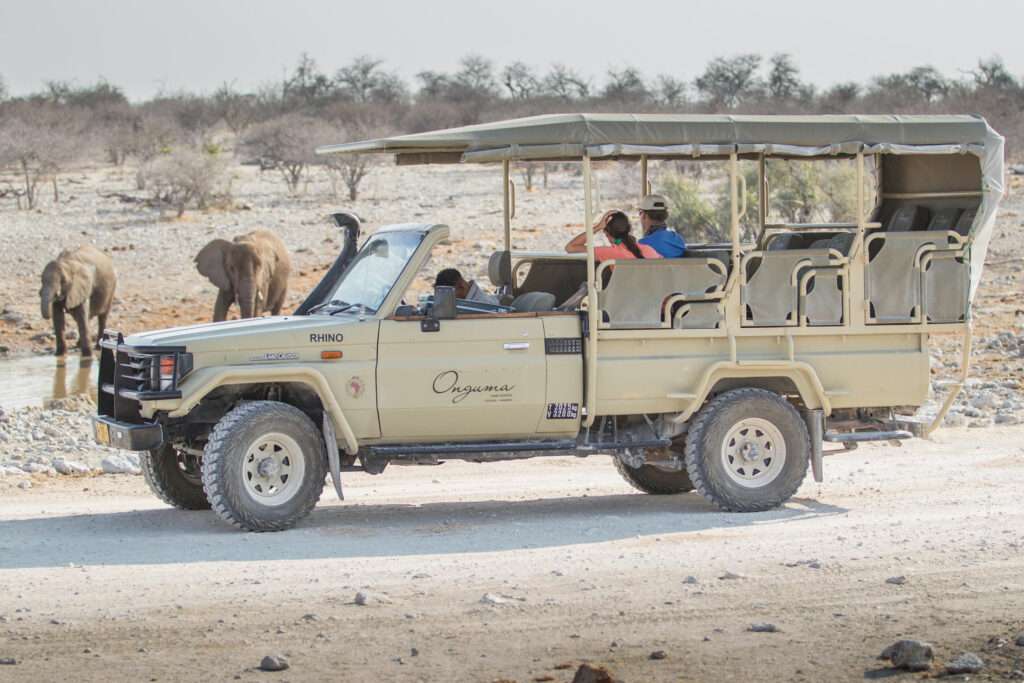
{"points": [[444, 303]]}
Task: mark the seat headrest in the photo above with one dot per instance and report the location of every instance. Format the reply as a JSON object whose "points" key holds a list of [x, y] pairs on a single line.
{"points": [[499, 269], [908, 217]]}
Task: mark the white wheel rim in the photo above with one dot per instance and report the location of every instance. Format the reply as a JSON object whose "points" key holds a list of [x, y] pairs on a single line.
{"points": [[273, 468], [753, 452]]}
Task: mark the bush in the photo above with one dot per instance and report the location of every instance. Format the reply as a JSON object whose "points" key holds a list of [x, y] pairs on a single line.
{"points": [[288, 143], [188, 177]]}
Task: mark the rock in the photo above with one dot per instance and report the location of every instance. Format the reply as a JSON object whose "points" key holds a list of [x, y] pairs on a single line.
{"points": [[763, 627], [118, 464], [364, 598], [36, 468], [691, 580], [274, 663], [591, 674], [69, 466], [8, 661], [658, 655], [1006, 419], [897, 580], [24, 485], [494, 599], [965, 663], [1019, 642], [729, 576], [910, 655]]}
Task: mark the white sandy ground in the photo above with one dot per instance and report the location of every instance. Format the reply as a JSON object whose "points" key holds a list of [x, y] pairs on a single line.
{"points": [[100, 582]]}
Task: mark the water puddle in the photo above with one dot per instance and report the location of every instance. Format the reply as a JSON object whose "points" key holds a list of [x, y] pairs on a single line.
{"points": [[36, 380]]}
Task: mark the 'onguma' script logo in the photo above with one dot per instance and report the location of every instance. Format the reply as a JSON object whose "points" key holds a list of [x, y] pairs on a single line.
{"points": [[448, 383], [326, 337]]}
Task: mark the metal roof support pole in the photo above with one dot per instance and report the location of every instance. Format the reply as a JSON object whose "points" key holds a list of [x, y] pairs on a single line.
{"points": [[644, 183], [734, 208], [506, 204], [590, 386], [762, 191]]}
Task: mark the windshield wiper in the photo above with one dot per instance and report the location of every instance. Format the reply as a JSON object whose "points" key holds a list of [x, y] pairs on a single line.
{"points": [[334, 303]]}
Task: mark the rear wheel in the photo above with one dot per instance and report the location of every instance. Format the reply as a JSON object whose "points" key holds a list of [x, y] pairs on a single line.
{"points": [[174, 476], [264, 466], [747, 450], [651, 479]]}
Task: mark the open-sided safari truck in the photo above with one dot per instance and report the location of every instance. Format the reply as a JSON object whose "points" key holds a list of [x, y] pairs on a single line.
{"points": [[722, 371]]}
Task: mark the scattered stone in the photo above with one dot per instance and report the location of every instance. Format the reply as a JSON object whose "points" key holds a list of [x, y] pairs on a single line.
{"points": [[691, 580], [8, 661], [1019, 642], [729, 576], [910, 655], [24, 485], [658, 655], [763, 627], [591, 674], [69, 466], [310, 617], [364, 598], [965, 663], [897, 580], [495, 599], [118, 464], [274, 663]]}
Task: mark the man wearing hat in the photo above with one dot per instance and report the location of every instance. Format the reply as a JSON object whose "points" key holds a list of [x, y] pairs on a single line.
{"points": [[657, 235]]}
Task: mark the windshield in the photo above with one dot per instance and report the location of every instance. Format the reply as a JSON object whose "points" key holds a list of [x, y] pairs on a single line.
{"points": [[373, 272]]}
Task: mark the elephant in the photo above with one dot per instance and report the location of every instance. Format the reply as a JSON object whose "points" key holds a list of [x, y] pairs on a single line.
{"points": [[252, 270], [81, 282]]}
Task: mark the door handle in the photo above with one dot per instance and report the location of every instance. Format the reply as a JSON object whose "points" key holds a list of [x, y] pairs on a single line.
{"points": [[517, 346]]}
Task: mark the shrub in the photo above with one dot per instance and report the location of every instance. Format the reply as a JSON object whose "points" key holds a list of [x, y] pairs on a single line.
{"points": [[187, 177]]}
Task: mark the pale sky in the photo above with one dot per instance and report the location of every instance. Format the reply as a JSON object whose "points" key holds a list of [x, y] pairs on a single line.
{"points": [[146, 46]]}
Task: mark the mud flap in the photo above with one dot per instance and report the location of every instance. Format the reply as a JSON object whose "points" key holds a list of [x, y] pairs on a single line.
{"points": [[333, 459]]}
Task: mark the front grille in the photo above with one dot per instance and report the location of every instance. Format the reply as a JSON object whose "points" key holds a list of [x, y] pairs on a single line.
{"points": [[130, 374]]}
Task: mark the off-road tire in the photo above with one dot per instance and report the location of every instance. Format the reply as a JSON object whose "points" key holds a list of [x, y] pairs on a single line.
{"points": [[650, 479], [704, 443], [165, 478], [223, 458]]}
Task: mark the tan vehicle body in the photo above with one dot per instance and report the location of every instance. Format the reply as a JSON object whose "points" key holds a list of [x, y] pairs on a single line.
{"points": [[836, 327]]}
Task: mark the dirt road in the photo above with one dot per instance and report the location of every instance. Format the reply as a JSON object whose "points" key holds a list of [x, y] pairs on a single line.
{"points": [[107, 584]]}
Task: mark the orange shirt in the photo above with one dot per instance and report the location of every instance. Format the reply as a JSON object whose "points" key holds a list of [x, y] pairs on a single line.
{"points": [[621, 251]]}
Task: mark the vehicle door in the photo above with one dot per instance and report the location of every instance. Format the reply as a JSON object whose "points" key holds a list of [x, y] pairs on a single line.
{"points": [[480, 376]]}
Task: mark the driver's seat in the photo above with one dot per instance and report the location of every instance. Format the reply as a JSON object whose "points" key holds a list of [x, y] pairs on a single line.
{"points": [[499, 271]]}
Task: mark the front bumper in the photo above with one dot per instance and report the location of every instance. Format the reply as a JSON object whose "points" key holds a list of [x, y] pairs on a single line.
{"points": [[128, 436]]}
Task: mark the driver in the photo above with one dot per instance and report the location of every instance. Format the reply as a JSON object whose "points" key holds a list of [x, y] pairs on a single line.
{"points": [[470, 291]]}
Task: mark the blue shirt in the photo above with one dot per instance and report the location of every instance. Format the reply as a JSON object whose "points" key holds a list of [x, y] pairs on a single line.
{"points": [[666, 242]]}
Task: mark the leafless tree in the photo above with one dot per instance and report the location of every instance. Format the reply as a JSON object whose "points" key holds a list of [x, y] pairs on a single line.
{"points": [[565, 84], [520, 81], [364, 81], [727, 81], [38, 141], [351, 169], [287, 143], [187, 177]]}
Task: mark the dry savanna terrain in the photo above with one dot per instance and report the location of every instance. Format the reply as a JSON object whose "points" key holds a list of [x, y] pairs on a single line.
{"points": [[513, 571]]}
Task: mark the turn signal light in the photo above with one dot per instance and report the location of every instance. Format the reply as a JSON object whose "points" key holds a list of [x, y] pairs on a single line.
{"points": [[330, 355]]}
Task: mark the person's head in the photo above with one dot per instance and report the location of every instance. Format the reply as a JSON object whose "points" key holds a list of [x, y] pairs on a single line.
{"points": [[653, 212], [619, 231], [451, 277]]}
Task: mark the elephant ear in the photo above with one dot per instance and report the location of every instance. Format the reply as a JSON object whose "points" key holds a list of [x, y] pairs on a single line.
{"points": [[211, 260], [78, 283]]}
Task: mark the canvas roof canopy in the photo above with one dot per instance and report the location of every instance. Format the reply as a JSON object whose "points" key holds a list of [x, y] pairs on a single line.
{"points": [[561, 136]]}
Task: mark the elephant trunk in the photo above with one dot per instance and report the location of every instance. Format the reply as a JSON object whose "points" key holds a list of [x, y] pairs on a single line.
{"points": [[46, 303], [247, 298]]}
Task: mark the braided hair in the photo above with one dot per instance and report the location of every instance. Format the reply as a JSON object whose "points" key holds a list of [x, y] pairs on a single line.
{"points": [[618, 229]]}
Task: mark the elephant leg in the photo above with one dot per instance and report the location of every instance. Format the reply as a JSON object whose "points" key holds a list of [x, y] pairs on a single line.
{"points": [[102, 318], [223, 303], [58, 329], [81, 316]]}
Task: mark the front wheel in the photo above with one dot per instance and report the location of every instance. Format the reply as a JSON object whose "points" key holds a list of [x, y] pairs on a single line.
{"points": [[747, 450], [174, 476], [263, 467]]}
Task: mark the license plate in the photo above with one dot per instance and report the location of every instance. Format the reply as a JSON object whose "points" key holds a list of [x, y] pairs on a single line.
{"points": [[102, 433]]}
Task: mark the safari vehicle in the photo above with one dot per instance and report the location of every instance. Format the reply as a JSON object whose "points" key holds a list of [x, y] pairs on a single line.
{"points": [[722, 371]]}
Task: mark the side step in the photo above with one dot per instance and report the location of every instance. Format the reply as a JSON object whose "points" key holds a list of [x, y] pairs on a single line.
{"points": [[857, 437], [507, 450]]}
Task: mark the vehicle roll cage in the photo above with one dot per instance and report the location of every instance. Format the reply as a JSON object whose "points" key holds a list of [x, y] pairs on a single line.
{"points": [[587, 138]]}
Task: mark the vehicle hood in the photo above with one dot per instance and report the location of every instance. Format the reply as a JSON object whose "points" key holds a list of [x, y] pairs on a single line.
{"points": [[248, 334]]}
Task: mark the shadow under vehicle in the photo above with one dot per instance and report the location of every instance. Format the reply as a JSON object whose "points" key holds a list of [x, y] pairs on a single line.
{"points": [[723, 371]]}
